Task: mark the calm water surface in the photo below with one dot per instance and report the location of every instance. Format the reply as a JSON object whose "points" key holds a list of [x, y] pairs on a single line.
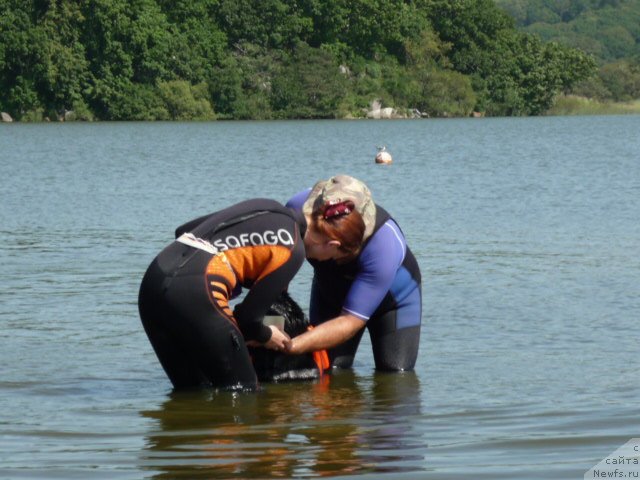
{"points": [[528, 235]]}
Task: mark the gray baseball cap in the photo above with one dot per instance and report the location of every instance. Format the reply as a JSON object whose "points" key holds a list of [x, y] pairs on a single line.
{"points": [[339, 189]]}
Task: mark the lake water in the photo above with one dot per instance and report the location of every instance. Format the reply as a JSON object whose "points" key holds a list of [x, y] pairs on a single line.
{"points": [[527, 231]]}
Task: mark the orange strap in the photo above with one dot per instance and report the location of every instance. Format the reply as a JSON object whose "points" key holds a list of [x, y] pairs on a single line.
{"points": [[322, 360], [321, 357]]}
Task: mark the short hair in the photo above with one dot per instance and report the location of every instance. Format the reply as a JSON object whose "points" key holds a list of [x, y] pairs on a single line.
{"points": [[342, 224]]}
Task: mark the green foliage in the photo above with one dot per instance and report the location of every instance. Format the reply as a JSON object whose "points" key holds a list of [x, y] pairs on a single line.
{"points": [[427, 50], [262, 59], [310, 85], [608, 29], [35, 115], [370, 28], [528, 12], [574, 105], [124, 100], [266, 23], [445, 94], [622, 80], [80, 112], [63, 75], [512, 73], [129, 46], [198, 45], [428, 84], [592, 87], [184, 101], [22, 49]]}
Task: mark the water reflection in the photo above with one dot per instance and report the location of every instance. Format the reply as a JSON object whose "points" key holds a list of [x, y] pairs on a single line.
{"points": [[348, 425]]}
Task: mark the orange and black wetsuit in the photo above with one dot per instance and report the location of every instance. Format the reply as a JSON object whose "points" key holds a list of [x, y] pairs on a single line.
{"points": [[185, 293]]}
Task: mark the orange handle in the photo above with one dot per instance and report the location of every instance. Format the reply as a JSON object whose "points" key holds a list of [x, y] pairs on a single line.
{"points": [[321, 357]]}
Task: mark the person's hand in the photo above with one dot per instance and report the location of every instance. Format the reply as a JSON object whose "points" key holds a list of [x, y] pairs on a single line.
{"points": [[279, 340], [288, 345]]}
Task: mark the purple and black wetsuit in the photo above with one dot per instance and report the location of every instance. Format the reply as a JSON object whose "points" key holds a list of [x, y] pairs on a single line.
{"points": [[382, 286]]}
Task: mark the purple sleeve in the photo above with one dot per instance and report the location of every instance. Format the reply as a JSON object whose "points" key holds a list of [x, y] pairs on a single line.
{"points": [[379, 263], [298, 200]]}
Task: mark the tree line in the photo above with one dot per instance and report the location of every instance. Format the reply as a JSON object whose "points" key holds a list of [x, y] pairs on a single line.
{"points": [[270, 59], [609, 30]]}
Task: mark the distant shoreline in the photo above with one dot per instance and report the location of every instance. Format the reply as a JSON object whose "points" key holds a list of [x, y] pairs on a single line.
{"points": [[575, 105], [565, 105]]}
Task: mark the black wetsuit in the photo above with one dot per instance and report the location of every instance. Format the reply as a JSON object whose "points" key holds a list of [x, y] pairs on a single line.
{"points": [[183, 300]]}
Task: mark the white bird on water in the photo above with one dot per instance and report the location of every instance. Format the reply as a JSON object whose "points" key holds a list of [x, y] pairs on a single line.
{"points": [[383, 157]]}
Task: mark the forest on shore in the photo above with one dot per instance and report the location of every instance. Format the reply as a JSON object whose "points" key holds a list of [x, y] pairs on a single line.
{"points": [[608, 30], [281, 59]]}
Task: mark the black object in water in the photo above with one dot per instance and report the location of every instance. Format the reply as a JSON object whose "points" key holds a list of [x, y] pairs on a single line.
{"points": [[272, 366]]}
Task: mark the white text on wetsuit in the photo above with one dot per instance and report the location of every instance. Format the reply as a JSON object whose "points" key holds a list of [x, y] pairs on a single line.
{"points": [[268, 237]]}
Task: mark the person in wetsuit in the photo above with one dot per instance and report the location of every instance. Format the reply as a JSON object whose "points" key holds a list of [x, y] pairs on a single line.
{"points": [[184, 295], [365, 275]]}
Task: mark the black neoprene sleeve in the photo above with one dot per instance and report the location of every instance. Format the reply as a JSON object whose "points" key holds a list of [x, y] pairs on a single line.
{"points": [[250, 311]]}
